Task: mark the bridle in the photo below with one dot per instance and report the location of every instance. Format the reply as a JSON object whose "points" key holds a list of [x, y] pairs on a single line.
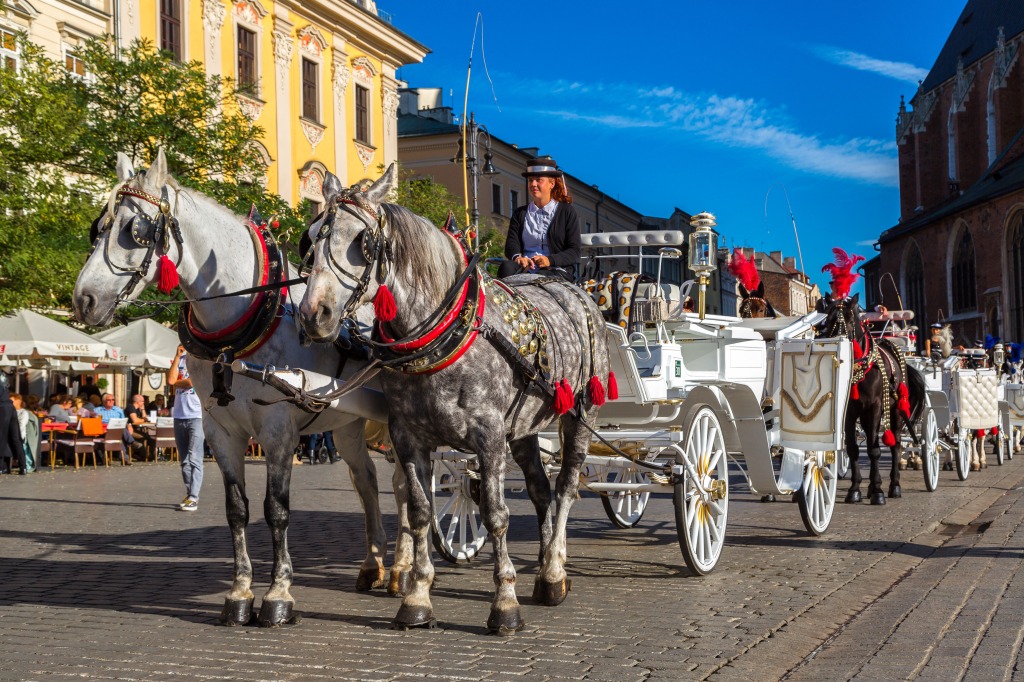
{"points": [[146, 232], [376, 247], [745, 306]]}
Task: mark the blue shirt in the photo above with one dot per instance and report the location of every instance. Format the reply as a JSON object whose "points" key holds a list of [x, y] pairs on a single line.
{"points": [[535, 228], [186, 403], [108, 413]]}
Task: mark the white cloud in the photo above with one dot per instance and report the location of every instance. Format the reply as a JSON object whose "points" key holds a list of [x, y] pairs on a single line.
{"points": [[731, 121], [901, 71]]}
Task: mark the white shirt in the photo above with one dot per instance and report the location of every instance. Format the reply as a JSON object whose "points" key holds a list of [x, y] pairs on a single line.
{"points": [[535, 228], [186, 403]]}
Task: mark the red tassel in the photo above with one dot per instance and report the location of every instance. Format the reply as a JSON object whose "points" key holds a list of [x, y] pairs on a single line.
{"points": [[994, 431], [613, 387], [980, 433], [858, 352], [596, 391], [563, 397], [854, 392], [384, 304], [903, 404], [888, 438], [167, 274]]}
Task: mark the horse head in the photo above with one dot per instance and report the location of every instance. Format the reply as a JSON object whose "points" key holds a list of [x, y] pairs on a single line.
{"points": [[134, 231], [754, 304], [842, 317], [351, 254]]}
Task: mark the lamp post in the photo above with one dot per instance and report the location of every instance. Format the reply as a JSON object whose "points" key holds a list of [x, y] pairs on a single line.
{"points": [[703, 253], [472, 134]]}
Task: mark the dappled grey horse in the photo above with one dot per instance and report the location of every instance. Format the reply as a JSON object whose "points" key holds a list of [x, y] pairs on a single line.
{"points": [[459, 352], [216, 252]]}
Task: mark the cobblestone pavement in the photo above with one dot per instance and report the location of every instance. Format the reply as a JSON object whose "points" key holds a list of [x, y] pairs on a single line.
{"points": [[103, 579]]}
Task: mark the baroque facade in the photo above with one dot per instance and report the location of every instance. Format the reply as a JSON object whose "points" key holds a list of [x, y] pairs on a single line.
{"points": [[319, 75], [957, 254]]}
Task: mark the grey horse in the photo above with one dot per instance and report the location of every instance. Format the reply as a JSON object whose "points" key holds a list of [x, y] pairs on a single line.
{"points": [[218, 254], [365, 249]]}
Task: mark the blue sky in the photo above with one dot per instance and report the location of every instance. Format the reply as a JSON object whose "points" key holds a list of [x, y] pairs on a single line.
{"points": [[708, 106]]}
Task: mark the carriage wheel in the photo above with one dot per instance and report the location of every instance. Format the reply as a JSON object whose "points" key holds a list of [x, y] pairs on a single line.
{"points": [[817, 496], [843, 463], [625, 509], [930, 450], [455, 525], [701, 495], [963, 455]]}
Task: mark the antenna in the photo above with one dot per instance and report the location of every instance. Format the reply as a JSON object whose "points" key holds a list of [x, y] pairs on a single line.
{"points": [[796, 235]]}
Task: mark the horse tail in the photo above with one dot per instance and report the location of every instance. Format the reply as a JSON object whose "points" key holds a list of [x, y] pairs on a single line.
{"points": [[918, 400]]}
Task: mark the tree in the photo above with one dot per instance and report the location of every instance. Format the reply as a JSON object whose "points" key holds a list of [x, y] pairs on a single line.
{"points": [[59, 138]]}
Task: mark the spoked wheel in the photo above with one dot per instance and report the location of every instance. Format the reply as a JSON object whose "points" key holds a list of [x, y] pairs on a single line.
{"points": [[963, 455], [1000, 448], [701, 495], [457, 529], [930, 450], [817, 496], [625, 509], [843, 463]]}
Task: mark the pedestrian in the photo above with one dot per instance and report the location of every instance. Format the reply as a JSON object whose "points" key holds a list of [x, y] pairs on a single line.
{"points": [[544, 235], [11, 443], [188, 429], [28, 425]]}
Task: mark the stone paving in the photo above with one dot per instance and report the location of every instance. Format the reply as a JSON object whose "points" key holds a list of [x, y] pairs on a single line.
{"points": [[103, 579]]}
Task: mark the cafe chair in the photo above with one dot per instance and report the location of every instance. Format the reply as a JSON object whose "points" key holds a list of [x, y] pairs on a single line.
{"points": [[80, 441], [113, 441], [163, 439]]}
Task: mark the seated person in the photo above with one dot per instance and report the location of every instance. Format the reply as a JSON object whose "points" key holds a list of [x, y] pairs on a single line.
{"points": [[60, 410], [544, 235], [80, 408], [158, 405], [110, 411]]}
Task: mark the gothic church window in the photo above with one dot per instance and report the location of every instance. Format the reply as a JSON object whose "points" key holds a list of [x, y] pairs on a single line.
{"points": [[962, 275]]}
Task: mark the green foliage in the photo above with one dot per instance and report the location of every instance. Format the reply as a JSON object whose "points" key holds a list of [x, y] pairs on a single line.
{"points": [[59, 141]]}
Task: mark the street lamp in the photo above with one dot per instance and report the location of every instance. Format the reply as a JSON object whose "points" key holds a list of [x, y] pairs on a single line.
{"points": [[471, 134], [703, 252]]}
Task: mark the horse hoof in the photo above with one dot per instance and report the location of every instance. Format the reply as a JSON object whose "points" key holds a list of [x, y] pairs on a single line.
{"points": [[895, 491], [550, 594], [878, 498], [505, 623], [948, 466], [767, 498], [903, 465], [409, 617], [275, 613], [853, 497], [975, 467], [369, 578], [236, 612], [400, 583]]}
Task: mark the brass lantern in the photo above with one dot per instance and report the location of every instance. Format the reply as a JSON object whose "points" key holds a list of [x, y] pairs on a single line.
{"points": [[998, 357], [703, 253]]}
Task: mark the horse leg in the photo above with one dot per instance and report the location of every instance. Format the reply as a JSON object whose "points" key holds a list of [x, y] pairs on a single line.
{"points": [[416, 609], [977, 444], [351, 445], [230, 454], [401, 570], [896, 419], [853, 453], [526, 453], [552, 585], [278, 605]]}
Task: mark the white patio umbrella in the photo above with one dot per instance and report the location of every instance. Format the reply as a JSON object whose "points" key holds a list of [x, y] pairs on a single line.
{"points": [[25, 335], [143, 343]]}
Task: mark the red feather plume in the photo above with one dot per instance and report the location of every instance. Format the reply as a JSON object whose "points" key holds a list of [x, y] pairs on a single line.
{"points": [[744, 270], [843, 278]]}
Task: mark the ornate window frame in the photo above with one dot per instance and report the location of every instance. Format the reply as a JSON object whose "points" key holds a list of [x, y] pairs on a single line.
{"points": [[364, 73], [312, 47], [311, 182], [249, 14], [1014, 284], [183, 5]]}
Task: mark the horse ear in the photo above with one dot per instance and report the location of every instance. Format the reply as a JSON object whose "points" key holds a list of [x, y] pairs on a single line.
{"points": [[743, 292], [828, 298], [332, 186], [759, 291], [125, 167], [855, 298], [157, 173], [386, 184]]}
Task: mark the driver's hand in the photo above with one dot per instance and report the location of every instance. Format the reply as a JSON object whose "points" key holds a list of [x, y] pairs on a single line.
{"points": [[542, 261], [525, 263]]}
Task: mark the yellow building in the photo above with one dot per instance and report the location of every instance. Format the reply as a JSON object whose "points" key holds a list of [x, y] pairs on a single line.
{"points": [[320, 73]]}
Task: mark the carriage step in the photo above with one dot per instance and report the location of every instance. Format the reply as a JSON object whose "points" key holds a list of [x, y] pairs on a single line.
{"points": [[943, 444]]}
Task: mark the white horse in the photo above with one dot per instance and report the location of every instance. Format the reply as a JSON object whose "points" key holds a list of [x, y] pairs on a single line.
{"points": [[217, 252]]}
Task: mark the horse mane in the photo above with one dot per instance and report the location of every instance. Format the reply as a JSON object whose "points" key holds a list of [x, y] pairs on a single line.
{"points": [[946, 340], [426, 260], [744, 270]]}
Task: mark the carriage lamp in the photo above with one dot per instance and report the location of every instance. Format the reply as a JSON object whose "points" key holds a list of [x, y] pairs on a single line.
{"points": [[703, 252], [998, 357]]}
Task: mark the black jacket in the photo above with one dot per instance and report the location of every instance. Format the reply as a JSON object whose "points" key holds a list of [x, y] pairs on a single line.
{"points": [[10, 432], [563, 236]]}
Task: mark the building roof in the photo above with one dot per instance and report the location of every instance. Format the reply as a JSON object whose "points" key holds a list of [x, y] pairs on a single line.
{"points": [[413, 125], [999, 180], [974, 36]]}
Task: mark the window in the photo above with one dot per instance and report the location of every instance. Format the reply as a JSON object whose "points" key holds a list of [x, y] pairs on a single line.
{"points": [[496, 199], [362, 114], [170, 27], [513, 201], [246, 60], [1016, 263], [310, 90], [963, 283], [8, 50], [74, 64], [587, 228], [913, 287]]}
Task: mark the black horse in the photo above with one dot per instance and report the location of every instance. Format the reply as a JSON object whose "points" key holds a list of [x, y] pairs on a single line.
{"points": [[885, 395]]}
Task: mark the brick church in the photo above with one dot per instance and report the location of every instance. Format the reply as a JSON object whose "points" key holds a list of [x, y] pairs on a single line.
{"points": [[957, 253]]}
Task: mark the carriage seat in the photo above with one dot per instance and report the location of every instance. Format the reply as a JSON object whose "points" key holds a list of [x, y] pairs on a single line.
{"points": [[788, 327], [888, 316]]}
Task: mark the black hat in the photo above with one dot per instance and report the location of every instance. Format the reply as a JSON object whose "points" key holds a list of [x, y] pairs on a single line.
{"points": [[542, 167]]}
